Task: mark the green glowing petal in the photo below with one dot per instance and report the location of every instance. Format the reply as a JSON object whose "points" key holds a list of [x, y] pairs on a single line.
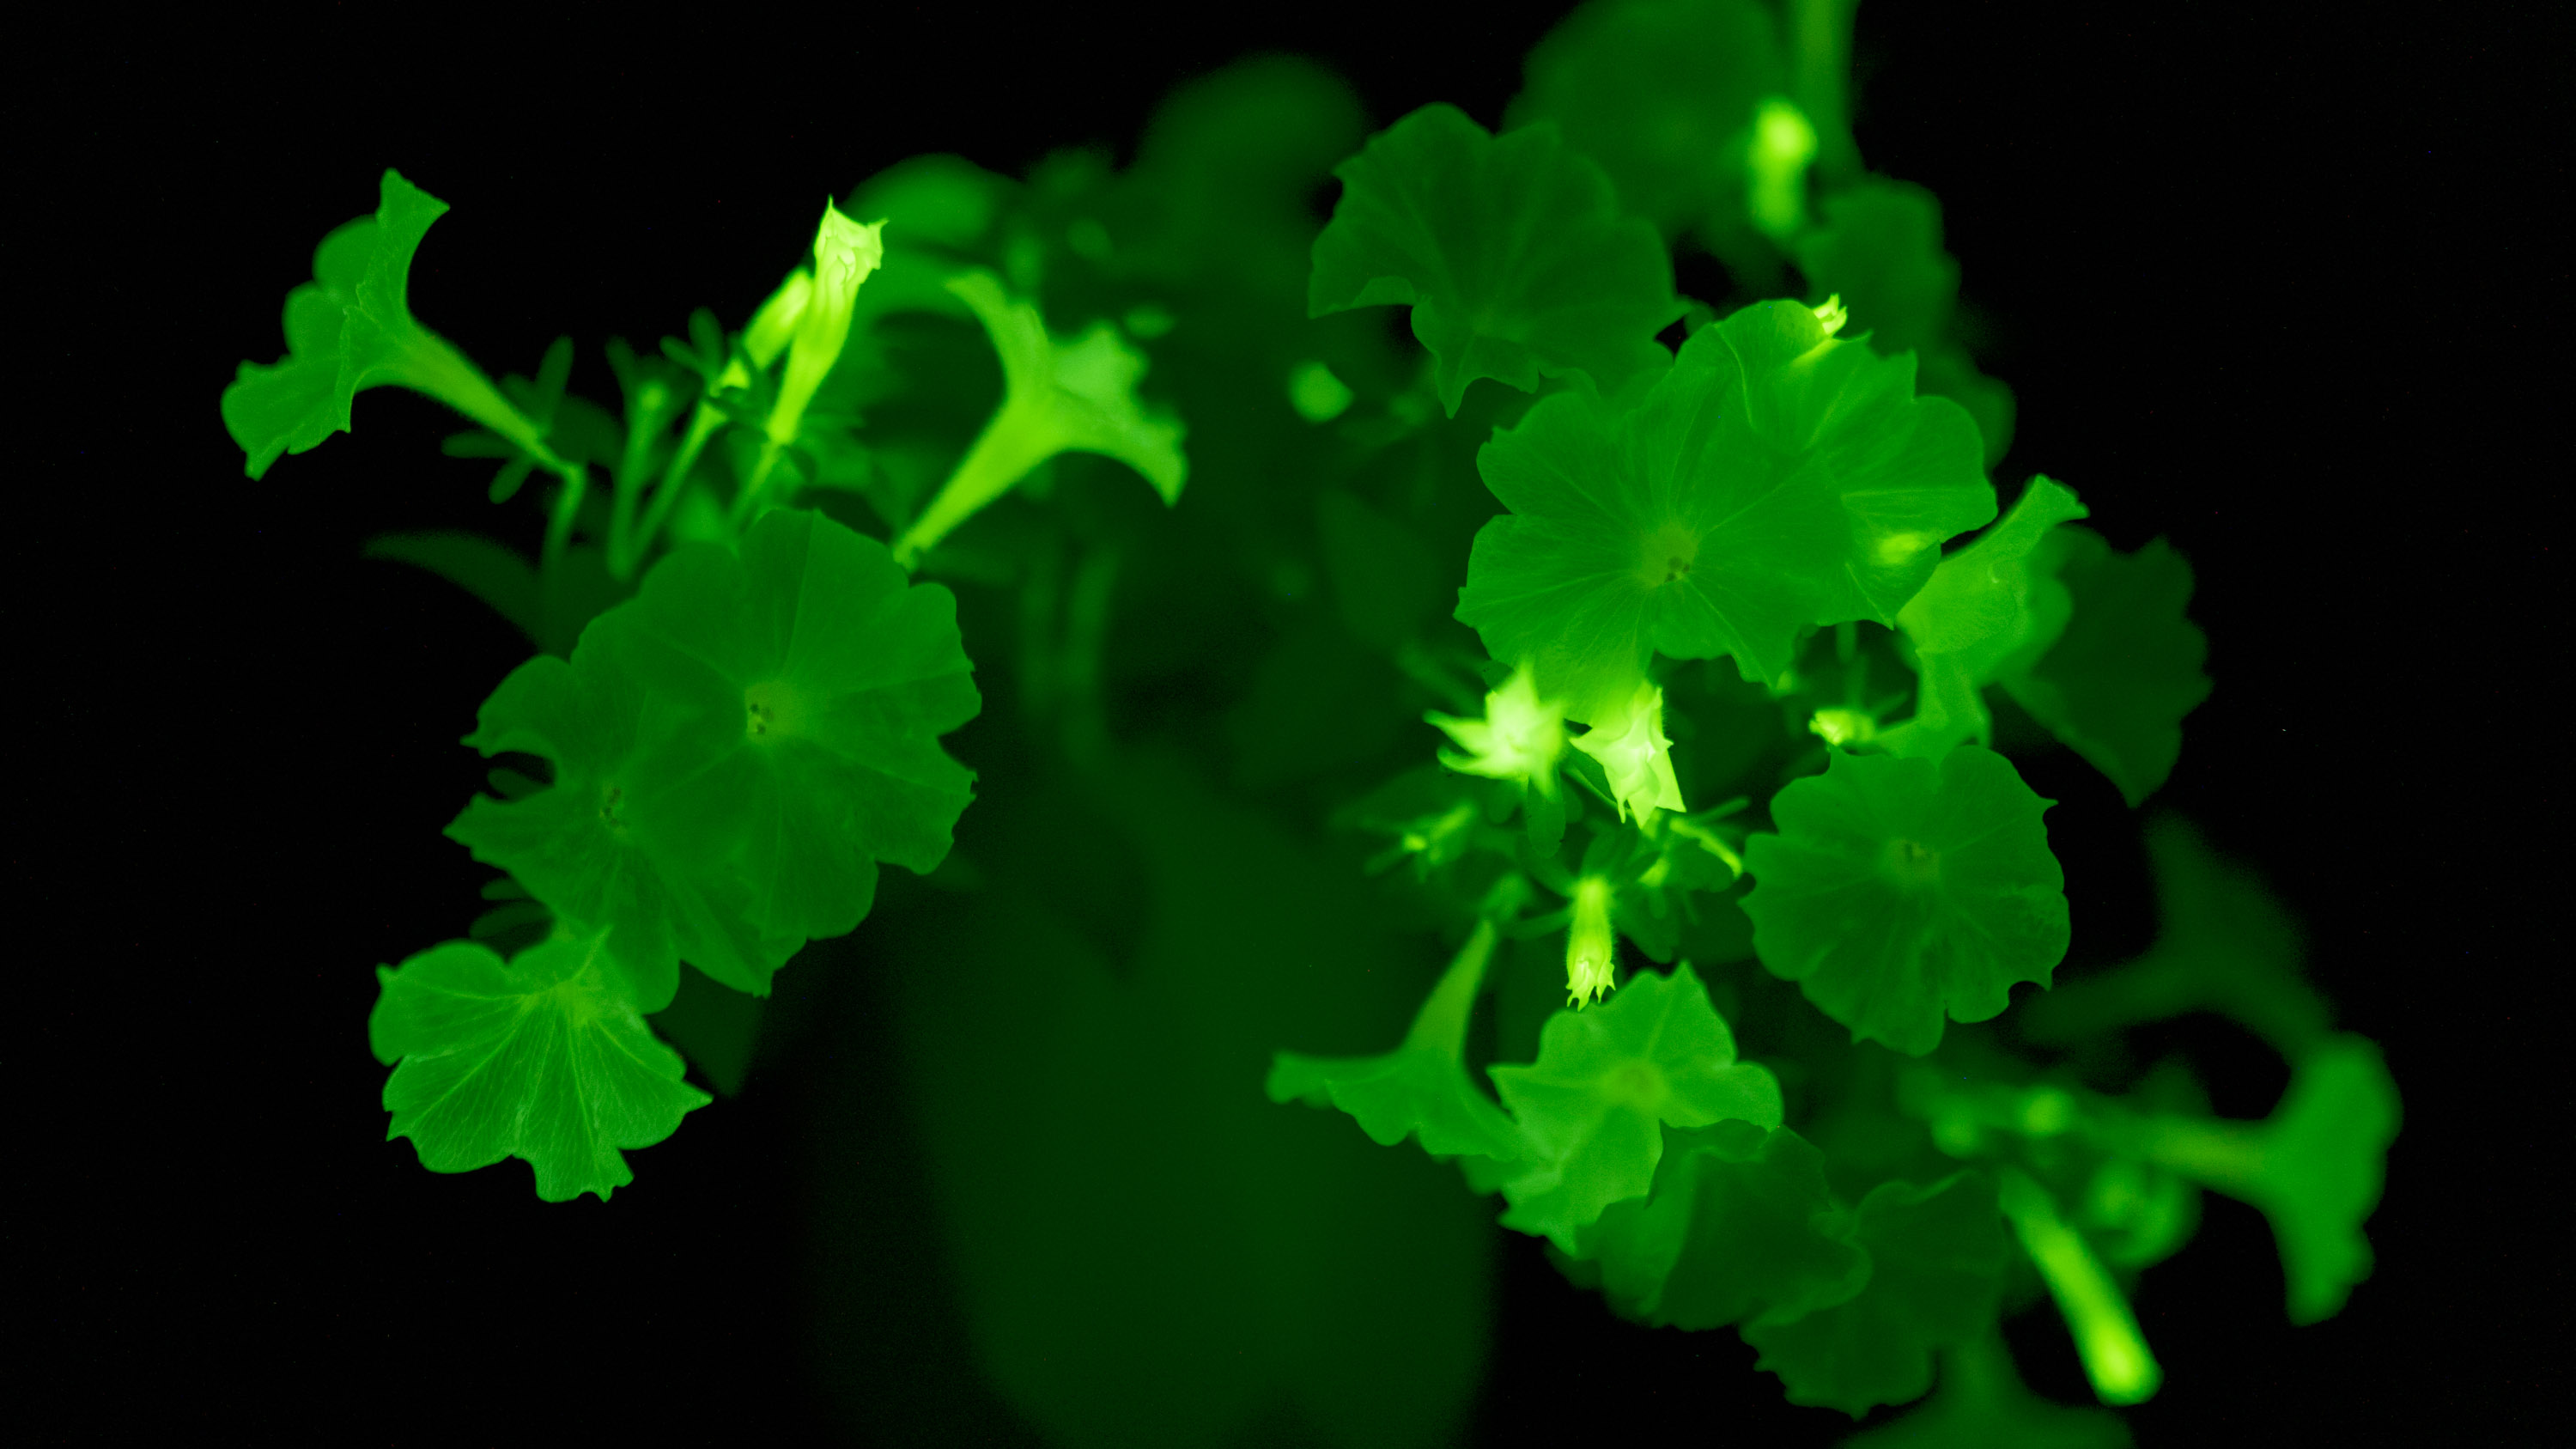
{"points": [[825, 682], [2326, 1155], [1773, 479], [735, 750], [544, 1058], [1979, 598], [343, 329], [2117, 683], [1981, 608], [1511, 251], [1740, 1224], [1936, 1270], [1879, 249], [1899, 890], [1982, 1404], [1662, 95], [1420, 1089], [2315, 1168], [580, 846], [1606, 1081], [1060, 395], [2224, 944]]}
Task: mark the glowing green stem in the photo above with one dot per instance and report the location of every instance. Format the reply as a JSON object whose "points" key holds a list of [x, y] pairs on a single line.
{"points": [[675, 480], [567, 507], [2115, 1353], [1441, 1025], [633, 465], [2227, 1156], [745, 503], [1820, 35], [428, 363]]}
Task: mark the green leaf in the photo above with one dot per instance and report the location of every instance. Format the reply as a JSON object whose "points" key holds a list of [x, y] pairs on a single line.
{"points": [[1981, 608], [1740, 1225], [544, 1058], [1901, 889], [735, 749], [1936, 1271], [2117, 683], [490, 571], [346, 331], [1662, 95], [1606, 1082], [1421, 1089], [1511, 251], [1771, 481]]}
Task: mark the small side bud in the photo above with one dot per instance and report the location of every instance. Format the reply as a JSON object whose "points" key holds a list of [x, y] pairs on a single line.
{"points": [[1839, 727], [1590, 948]]}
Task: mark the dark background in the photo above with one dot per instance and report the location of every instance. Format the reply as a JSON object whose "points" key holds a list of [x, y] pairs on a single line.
{"points": [[2264, 283]]}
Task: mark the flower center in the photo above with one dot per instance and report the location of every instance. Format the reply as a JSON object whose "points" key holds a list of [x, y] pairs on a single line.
{"points": [[1912, 864], [769, 710], [1669, 553]]}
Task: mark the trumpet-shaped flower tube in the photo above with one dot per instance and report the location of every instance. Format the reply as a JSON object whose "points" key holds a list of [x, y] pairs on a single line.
{"points": [[1077, 396], [845, 252]]}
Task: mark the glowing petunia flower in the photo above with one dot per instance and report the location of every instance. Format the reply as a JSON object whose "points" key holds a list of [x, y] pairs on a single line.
{"points": [[1635, 755], [1520, 737]]}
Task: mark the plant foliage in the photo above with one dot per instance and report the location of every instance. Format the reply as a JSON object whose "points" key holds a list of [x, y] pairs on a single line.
{"points": [[1696, 658]]}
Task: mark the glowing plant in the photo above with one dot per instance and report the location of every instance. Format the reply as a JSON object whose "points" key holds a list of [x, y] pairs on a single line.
{"points": [[1746, 555]]}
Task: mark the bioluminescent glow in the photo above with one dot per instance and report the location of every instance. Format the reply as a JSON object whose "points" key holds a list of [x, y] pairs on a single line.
{"points": [[1685, 642]]}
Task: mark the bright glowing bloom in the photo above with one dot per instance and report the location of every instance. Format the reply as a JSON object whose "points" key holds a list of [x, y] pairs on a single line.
{"points": [[1589, 947], [1843, 726], [1783, 143], [845, 252], [1635, 755], [1520, 737]]}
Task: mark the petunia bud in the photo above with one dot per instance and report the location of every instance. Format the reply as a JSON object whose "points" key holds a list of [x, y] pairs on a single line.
{"points": [[845, 252], [1590, 949]]}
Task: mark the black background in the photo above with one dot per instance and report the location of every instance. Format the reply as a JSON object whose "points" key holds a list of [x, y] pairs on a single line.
{"points": [[2264, 283]]}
